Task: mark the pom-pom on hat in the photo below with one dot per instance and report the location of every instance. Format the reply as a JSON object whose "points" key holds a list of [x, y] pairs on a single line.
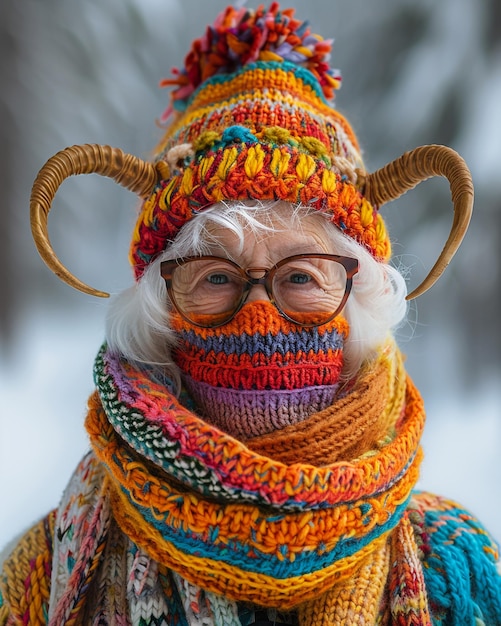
{"points": [[251, 117]]}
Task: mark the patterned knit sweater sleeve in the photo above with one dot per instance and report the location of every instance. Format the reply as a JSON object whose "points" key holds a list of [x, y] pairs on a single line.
{"points": [[26, 574], [461, 563]]}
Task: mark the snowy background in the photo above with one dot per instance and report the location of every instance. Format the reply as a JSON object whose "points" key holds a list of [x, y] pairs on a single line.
{"points": [[78, 72]]}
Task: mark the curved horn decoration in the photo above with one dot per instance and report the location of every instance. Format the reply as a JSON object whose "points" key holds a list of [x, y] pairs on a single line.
{"points": [[127, 170], [401, 175]]}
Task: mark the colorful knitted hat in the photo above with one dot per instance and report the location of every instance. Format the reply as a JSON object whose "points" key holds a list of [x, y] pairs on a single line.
{"points": [[253, 121], [250, 118]]}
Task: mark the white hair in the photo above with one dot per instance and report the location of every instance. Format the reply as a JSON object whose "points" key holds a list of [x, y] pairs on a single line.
{"points": [[138, 324]]}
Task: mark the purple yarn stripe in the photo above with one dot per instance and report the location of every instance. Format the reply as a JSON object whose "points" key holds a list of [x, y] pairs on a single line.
{"points": [[249, 413]]}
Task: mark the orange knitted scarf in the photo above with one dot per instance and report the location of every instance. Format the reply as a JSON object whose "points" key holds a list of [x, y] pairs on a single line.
{"points": [[307, 518]]}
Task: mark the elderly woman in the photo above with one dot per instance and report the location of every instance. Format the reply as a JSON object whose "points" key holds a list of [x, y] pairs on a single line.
{"points": [[255, 438]]}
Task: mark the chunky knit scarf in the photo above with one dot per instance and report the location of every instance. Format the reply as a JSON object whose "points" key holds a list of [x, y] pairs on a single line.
{"points": [[255, 525], [170, 521]]}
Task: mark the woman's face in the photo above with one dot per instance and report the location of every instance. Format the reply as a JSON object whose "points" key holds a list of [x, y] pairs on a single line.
{"points": [[261, 366]]}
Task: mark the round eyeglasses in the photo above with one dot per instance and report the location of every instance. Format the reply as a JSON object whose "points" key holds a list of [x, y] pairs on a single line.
{"points": [[307, 289]]}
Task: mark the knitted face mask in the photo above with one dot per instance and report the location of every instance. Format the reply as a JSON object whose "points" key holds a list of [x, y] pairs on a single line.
{"points": [[260, 372]]}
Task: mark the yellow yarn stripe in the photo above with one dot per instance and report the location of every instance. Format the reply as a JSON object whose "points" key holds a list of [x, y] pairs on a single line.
{"points": [[355, 600]]}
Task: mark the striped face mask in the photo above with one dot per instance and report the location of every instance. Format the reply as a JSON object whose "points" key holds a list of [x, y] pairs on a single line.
{"points": [[259, 372]]}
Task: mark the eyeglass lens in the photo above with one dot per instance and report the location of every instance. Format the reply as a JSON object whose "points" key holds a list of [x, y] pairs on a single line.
{"points": [[305, 289]]}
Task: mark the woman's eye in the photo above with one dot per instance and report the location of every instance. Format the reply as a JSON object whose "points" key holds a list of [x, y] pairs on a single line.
{"points": [[299, 278], [218, 279]]}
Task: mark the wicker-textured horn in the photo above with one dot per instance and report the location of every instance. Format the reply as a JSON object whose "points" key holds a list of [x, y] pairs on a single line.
{"points": [[394, 179], [129, 171]]}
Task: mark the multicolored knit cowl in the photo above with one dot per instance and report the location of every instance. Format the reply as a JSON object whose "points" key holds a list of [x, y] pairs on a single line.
{"points": [[248, 525], [171, 521], [260, 372]]}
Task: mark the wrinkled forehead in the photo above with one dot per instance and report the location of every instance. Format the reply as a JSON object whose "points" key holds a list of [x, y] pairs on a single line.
{"points": [[284, 231]]}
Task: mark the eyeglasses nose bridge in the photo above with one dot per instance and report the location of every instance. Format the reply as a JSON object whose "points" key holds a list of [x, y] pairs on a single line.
{"points": [[253, 270], [252, 282]]}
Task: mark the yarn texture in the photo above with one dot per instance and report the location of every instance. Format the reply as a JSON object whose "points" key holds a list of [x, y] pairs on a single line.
{"points": [[252, 117], [171, 519], [260, 372], [270, 490]]}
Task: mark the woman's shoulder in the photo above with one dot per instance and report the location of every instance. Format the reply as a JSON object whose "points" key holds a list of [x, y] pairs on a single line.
{"points": [[461, 562], [25, 574], [443, 521]]}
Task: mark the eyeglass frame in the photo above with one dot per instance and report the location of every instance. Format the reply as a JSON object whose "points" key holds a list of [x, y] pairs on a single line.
{"points": [[351, 267]]}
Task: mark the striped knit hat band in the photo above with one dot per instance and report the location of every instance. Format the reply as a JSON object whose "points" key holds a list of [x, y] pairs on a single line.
{"points": [[250, 119], [260, 372]]}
